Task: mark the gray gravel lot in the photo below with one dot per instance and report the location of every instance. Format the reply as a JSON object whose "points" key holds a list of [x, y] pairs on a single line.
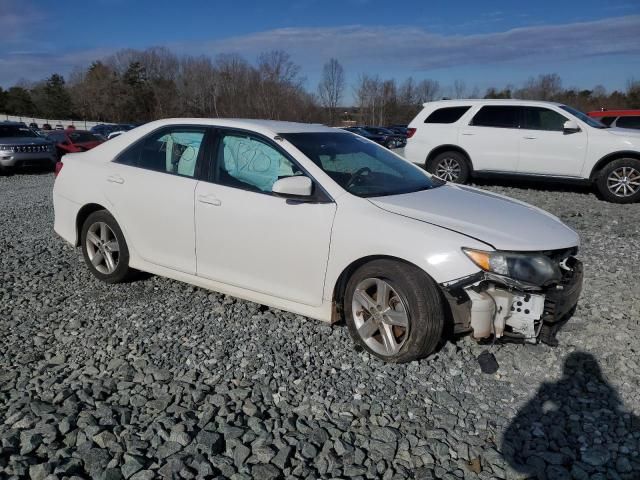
{"points": [[158, 379]]}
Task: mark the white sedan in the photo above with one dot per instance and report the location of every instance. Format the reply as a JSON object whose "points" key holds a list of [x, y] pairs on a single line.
{"points": [[323, 223]]}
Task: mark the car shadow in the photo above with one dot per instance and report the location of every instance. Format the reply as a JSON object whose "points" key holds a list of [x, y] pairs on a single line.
{"points": [[27, 171], [574, 428], [534, 184]]}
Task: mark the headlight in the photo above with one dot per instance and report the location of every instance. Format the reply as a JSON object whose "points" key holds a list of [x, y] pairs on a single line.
{"points": [[531, 268]]}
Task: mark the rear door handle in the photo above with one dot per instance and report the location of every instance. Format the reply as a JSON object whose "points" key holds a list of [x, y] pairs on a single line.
{"points": [[530, 138], [209, 200], [467, 134], [115, 179]]}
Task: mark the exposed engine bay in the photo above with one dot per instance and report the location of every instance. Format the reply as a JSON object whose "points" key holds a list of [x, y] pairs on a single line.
{"points": [[490, 306]]}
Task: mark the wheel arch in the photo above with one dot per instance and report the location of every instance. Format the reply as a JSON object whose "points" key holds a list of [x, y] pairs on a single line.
{"points": [[448, 148], [340, 285], [600, 164], [83, 214]]}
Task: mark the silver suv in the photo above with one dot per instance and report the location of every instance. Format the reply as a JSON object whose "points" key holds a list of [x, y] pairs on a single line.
{"points": [[21, 146]]}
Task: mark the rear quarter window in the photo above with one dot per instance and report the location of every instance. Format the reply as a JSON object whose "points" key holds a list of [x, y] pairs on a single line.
{"points": [[446, 114], [628, 122]]}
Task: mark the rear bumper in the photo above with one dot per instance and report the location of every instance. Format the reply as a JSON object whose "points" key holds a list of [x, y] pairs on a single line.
{"points": [[65, 215], [486, 308]]}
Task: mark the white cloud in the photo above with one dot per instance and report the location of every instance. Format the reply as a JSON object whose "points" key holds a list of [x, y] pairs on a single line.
{"points": [[418, 49]]}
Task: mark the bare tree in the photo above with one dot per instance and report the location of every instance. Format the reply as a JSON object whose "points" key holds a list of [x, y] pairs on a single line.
{"points": [[544, 87], [459, 89], [427, 91], [331, 87]]}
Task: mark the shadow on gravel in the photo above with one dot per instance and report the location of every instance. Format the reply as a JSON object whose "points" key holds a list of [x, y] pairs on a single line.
{"points": [[575, 428], [46, 170], [535, 184]]}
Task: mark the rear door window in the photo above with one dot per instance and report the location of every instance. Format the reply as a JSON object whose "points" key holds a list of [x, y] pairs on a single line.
{"points": [[172, 150], [446, 115], [497, 116]]}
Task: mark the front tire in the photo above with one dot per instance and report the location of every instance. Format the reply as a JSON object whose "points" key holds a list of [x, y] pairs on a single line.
{"points": [[394, 311], [619, 181], [104, 248], [449, 166]]}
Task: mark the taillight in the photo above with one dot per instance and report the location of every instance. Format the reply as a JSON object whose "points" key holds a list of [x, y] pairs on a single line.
{"points": [[57, 169], [410, 132]]}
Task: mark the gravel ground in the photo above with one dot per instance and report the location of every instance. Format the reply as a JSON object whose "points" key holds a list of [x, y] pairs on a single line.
{"points": [[158, 379]]}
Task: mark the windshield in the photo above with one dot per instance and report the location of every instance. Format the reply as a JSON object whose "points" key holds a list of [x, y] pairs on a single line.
{"points": [[592, 122], [359, 166], [15, 131]]}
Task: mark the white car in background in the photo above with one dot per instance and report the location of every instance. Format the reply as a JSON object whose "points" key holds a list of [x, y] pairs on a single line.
{"points": [[458, 139], [323, 223]]}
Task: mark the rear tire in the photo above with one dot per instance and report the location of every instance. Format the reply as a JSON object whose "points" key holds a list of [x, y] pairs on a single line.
{"points": [[619, 181], [450, 166], [104, 248], [394, 311]]}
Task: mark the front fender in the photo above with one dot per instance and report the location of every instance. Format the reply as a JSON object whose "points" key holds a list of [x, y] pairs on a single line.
{"points": [[362, 230]]}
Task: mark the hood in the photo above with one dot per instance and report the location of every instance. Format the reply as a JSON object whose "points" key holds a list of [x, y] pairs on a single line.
{"points": [[25, 141], [499, 221], [624, 132]]}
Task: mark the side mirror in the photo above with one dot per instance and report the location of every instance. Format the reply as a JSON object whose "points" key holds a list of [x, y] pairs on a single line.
{"points": [[570, 126], [298, 186]]}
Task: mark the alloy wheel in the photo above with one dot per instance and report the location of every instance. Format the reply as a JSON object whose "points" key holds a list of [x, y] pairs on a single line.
{"points": [[103, 248], [448, 169], [624, 181], [380, 316]]}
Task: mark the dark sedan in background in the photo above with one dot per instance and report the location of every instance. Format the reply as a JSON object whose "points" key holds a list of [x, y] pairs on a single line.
{"points": [[380, 135]]}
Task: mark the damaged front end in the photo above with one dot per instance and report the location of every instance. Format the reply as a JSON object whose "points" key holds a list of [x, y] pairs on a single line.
{"points": [[528, 308]]}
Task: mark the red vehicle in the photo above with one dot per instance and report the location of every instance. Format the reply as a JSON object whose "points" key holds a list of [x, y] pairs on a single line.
{"points": [[618, 118], [73, 141]]}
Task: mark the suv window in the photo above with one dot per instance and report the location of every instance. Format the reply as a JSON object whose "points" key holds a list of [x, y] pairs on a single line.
{"points": [[497, 116], [446, 115], [606, 120], [539, 118], [249, 163], [628, 122], [171, 150]]}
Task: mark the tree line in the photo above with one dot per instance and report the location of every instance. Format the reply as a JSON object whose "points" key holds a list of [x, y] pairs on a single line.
{"points": [[142, 85]]}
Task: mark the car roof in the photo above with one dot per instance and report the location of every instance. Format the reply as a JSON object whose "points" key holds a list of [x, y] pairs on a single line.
{"points": [[489, 101], [614, 113], [263, 126]]}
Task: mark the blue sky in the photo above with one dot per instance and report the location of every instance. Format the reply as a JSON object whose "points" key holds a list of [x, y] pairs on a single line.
{"points": [[587, 42]]}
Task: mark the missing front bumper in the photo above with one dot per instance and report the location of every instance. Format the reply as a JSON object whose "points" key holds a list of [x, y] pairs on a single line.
{"points": [[488, 307]]}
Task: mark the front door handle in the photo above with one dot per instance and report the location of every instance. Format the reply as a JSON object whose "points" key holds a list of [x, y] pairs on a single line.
{"points": [[530, 138], [467, 134], [115, 179], [209, 200]]}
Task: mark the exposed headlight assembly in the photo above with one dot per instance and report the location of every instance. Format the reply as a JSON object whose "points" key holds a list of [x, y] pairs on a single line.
{"points": [[531, 268]]}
